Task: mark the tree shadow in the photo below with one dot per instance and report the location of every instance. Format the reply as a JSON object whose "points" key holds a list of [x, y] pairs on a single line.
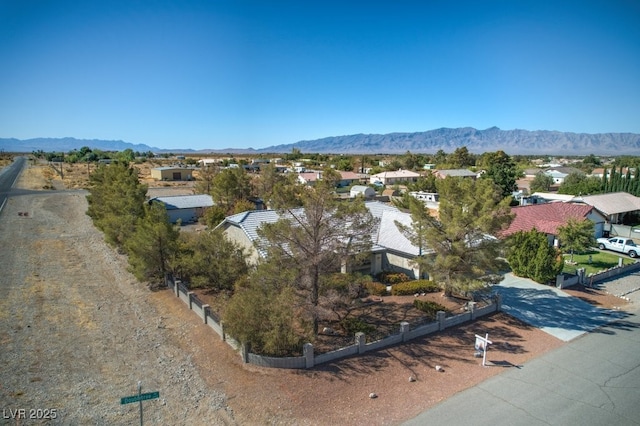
{"points": [[542, 308]]}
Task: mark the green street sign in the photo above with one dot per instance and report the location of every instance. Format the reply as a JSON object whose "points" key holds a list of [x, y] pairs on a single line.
{"points": [[138, 398]]}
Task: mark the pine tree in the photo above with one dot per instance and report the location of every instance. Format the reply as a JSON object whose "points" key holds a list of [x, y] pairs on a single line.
{"points": [[153, 245], [531, 256], [315, 240], [462, 251], [116, 200], [207, 259]]}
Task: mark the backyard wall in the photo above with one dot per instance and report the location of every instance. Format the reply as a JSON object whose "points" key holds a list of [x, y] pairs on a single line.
{"points": [[309, 359]]}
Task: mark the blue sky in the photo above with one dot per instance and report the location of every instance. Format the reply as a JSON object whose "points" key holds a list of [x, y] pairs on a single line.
{"points": [[218, 74]]}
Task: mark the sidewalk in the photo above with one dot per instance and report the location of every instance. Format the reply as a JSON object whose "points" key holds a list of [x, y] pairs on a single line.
{"points": [[550, 309]]}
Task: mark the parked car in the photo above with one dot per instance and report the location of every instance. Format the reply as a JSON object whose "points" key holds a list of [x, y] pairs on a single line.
{"points": [[619, 244]]}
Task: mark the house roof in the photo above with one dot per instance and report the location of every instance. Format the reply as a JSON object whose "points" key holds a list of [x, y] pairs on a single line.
{"points": [[172, 168], [309, 176], [350, 175], [362, 188], [176, 202], [456, 173], [564, 170], [397, 174], [613, 203], [554, 196], [384, 235], [545, 217]]}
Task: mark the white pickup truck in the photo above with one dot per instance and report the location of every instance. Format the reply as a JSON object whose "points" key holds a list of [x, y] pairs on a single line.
{"points": [[619, 244]]}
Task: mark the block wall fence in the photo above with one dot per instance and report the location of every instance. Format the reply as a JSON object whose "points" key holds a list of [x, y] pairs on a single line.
{"points": [[309, 359]]}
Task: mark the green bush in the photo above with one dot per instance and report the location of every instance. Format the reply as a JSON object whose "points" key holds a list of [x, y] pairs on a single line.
{"points": [[413, 287], [354, 325], [393, 277], [428, 307], [376, 289]]}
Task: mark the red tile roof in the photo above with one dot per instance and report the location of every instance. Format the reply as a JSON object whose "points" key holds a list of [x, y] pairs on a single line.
{"points": [[545, 217]]}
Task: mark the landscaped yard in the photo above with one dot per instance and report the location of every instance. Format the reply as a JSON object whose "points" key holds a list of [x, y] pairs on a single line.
{"points": [[593, 261]]}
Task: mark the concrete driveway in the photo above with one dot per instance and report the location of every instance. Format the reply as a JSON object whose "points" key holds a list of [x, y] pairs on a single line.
{"points": [[593, 380], [550, 309]]}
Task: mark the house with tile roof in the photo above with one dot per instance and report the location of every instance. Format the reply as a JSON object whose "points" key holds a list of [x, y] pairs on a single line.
{"points": [[391, 250], [548, 217]]}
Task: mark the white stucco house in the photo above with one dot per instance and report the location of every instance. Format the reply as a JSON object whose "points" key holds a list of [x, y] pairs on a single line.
{"points": [[391, 250], [390, 178]]}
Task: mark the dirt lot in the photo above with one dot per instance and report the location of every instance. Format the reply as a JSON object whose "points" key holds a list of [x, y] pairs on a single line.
{"points": [[77, 333]]}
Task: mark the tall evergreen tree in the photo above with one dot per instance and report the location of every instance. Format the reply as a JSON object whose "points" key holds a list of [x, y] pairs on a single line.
{"points": [[116, 200], [463, 253], [209, 260], [315, 239], [230, 186], [502, 170], [153, 245], [531, 256]]}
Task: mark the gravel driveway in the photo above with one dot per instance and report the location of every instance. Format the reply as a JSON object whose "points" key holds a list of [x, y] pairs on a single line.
{"points": [[77, 331]]}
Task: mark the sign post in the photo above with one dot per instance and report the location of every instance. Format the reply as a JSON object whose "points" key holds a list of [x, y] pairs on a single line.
{"points": [[482, 344], [139, 398]]}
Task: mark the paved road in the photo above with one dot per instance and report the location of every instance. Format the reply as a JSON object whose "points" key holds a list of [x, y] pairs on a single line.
{"points": [[550, 309], [593, 380], [8, 177]]}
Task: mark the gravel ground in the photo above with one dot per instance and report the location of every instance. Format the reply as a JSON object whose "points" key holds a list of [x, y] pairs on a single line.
{"points": [[77, 332], [627, 287]]}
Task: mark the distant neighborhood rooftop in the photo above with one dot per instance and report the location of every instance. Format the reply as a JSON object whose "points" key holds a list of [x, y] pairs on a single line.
{"points": [[175, 202]]}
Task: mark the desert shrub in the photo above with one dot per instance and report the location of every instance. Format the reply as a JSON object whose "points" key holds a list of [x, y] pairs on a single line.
{"points": [[413, 287], [354, 325], [393, 277], [350, 285], [428, 307], [376, 289]]}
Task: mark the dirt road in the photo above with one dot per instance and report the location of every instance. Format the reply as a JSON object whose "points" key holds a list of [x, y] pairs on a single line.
{"points": [[77, 332]]}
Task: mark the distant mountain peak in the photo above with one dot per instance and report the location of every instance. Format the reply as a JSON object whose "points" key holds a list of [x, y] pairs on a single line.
{"points": [[513, 142]]}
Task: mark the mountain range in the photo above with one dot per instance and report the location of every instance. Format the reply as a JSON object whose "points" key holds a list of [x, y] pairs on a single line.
{"points": [[513, 142]]}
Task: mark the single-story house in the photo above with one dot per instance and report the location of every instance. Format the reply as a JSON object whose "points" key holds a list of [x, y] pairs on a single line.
{"points": [[208, 162], [365, 191], [548, 217], [350, 178], [552, 197], [463, 173], [172, 173], [185, 208], [557, 176], [389, 178], [391, 250], [614, 206], [309, 178]]}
